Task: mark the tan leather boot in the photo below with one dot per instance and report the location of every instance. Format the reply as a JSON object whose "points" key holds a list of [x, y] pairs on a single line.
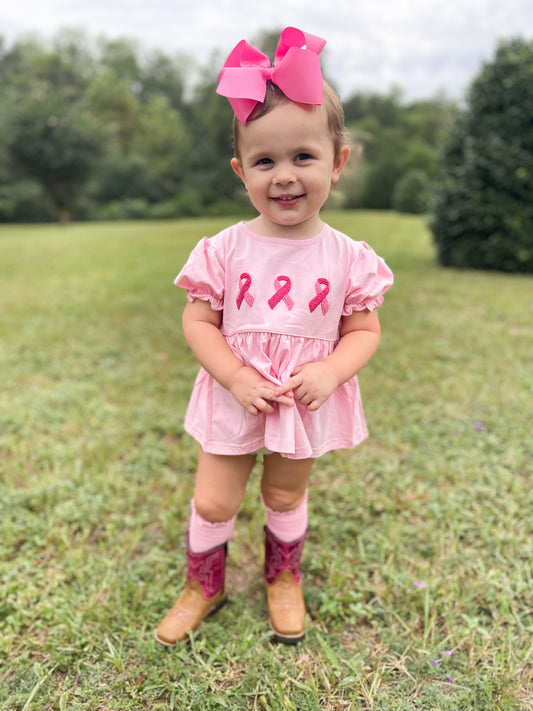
{"points": [[204, 593], [286, 608]]}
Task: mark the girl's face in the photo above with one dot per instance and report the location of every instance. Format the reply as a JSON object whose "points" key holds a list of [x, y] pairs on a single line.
{"points": [[287, 164]]}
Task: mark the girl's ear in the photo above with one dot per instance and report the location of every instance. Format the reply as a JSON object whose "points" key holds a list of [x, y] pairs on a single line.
{"points": [[339, 162], [237, 167]]}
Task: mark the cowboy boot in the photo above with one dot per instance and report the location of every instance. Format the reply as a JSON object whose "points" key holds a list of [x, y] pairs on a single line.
{"points": [[204, 593], [286, 608]]}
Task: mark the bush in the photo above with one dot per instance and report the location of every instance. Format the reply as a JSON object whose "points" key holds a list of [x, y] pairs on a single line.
{"points": [[377, 183], [127, 209], [23, 200], [411, 192], [482, 207]]}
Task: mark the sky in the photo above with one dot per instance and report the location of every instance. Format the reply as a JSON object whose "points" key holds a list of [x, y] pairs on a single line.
{"points": [[423, 47]]}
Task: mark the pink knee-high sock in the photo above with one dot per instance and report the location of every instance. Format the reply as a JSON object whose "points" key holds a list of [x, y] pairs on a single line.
{"points": [[288, 526], [204, 535]]}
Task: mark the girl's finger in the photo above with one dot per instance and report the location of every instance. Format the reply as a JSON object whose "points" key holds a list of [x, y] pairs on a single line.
{"points": [[293, 382], [263, 405], [306, 399], [314, 405], [284, 399], [284, 388]]}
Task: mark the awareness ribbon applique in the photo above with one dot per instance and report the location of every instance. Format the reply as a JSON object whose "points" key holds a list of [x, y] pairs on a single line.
{"points": [[245, 281], [321, 296], [281, 293]]}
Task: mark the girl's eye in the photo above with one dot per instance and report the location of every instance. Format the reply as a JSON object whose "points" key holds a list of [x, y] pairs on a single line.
{"points": [[264, 161], [303, 157]]}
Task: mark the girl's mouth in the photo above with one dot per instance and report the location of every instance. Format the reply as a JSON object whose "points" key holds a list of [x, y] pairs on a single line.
{"points": [[287, 199]]}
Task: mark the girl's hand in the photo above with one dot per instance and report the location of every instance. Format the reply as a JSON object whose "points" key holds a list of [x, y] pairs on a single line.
{"points": [[255, 393], [311, 384]]}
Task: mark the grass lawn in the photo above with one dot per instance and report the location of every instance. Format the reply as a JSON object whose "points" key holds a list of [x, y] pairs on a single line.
{"points": [[418, 571]]}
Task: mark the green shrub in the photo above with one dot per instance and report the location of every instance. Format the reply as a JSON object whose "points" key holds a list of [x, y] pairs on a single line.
{"points": [[411, 192], [482, 207]]}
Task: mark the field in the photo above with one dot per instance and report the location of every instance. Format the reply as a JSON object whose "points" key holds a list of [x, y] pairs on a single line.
{"points": [[418, 573]]}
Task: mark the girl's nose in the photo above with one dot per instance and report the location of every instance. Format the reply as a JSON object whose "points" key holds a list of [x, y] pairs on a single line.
{"points": [[283, 175]]}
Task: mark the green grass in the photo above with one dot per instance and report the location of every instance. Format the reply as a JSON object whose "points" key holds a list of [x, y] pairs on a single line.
{"points": [[96, 475]]}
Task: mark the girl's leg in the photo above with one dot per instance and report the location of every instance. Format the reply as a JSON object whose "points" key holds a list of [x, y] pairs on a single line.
{"points": [[284, 490], [219, 491], [284, 487], [284, 481], [220, 486], [288, 526]]}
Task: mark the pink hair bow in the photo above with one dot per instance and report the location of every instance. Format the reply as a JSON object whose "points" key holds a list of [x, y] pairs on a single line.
{"points": [[296, 72]]}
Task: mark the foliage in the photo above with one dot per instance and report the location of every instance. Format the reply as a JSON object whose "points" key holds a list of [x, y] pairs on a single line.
{"points": [[420, 539], [482, 207], [131, 138], [98, 129], [54, 141], [411, 192], [396, 139]]}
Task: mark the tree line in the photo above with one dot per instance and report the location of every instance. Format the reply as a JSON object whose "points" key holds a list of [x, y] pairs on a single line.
{"points": [[99, 129]]}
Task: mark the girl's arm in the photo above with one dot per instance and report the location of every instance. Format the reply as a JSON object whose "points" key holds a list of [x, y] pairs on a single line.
{"points": [[313, 383], [201, 328]]}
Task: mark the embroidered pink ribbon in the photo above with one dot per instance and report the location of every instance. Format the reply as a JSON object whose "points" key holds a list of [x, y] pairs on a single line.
{"points": [[296, 72], [321, 296], [245, 281], [281, 293]]}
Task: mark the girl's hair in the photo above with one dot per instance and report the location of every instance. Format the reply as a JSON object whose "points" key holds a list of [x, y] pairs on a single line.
{"points": [[275, 96]]}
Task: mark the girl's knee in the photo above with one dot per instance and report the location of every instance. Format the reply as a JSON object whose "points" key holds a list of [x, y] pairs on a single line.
{"points": [[281, 499], [213, 511], [220, 485], [284, 482]]}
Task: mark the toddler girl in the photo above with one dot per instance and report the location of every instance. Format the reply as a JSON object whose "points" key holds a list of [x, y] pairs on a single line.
{"points": [[281, 316]]}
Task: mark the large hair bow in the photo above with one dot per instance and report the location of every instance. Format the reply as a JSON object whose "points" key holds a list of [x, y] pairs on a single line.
{"points": [[296, 72]]}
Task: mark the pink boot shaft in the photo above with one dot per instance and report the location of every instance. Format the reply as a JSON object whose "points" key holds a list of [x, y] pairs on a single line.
{"points": [[207, 568], [280, 556]]}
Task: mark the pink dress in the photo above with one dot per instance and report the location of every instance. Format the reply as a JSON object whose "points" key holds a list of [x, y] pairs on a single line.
{"points": [[282, 303]]}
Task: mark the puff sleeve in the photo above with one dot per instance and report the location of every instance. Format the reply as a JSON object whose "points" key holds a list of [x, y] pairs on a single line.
{"points": [[368, 279], [203, 275]]}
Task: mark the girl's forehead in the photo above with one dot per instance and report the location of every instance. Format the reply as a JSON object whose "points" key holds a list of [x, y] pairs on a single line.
{"points": [[287, 121]]}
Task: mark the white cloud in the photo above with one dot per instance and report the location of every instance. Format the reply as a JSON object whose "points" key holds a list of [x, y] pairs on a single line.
{"points": [[423, 46]]}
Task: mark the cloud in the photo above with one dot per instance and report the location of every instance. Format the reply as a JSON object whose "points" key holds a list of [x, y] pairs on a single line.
{"points": [[423, 46]]}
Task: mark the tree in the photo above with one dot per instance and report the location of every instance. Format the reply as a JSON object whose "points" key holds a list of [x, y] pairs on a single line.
{"points": [[50, 141], [395, 139], [110, 97], [208, 165], [482, 203], [56, 143], [165, 76], [410, 192], [86, 128]]}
